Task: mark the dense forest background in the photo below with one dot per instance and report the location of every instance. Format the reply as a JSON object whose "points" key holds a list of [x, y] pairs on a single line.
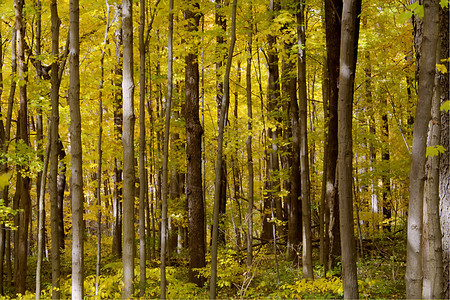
{"points": [[224, 149]]}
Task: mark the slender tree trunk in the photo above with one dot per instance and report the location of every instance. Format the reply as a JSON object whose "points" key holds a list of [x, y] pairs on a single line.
{"points": [[194, 131], [221, 123], [427, 66], [41, 227], [348, 51], [248, 79], [165, 171], [143, 187], [118, 123], [100, 155], [23, 182], [3, 170], [76, 153], [53, 176], [303, 147]]}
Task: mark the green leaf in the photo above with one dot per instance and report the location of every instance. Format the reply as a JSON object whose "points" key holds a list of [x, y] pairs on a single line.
{"points": [[446, 106], [435, 150], [405, 16], [444, 3]]}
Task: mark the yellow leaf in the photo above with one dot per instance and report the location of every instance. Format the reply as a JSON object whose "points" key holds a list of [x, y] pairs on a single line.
{"points": [[4, 179]]}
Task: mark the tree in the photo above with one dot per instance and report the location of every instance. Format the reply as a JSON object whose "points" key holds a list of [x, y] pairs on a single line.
{"points": [[165, 171], [333, 11], [128, 150], [248, 80], [444, 180], [194, 131], [221, 123], [427, 64], [143, 187], [23, 181], [347, 68], [303, 147], [54, 136], [76, 154]]}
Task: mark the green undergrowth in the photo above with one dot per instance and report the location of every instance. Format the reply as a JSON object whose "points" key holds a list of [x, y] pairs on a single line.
{"points": [[379, 277]]}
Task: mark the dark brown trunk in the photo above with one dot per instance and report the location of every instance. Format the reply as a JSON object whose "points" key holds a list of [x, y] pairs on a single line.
{"points": [[194, 132], [333, 11]]}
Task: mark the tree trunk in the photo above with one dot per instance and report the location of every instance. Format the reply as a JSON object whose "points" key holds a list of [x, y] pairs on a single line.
{"points": [[248, 80], [433, 280], [118, 122], [76, 152], [23, 182], [348, 57], [221, 123], [333, 11], [128, 150], [303, 147], [100, 156], [194, 131], [54, 137], [165, 171], [444, 181], [143, 186], [427, 67]]}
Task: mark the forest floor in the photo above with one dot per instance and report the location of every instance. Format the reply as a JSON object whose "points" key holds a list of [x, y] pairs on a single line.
{"points": [[381, 270]]}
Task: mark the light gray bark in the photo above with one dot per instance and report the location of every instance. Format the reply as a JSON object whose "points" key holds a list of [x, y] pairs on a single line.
{"points": [[414, 272], [128, 151], [76, 155]]}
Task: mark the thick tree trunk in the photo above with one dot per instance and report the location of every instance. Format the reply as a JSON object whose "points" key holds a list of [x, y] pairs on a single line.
{"points": [[76, 153], [444, 177], [333, 10], [417, 173], [194, 132], [23, 182], [433, 280], [53, 176], [128, 150], [348, 57]]}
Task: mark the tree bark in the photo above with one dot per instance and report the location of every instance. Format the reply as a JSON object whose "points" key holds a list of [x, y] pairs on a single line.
{"points": [[348, 57], [143, 186], [53, 176], [303, 147], [76, 153], [333, 11], [221, 123], [414, 272], [23, 182], [444, 177], [248, 79], [128, 150], [165, 171], [194, 131]]}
